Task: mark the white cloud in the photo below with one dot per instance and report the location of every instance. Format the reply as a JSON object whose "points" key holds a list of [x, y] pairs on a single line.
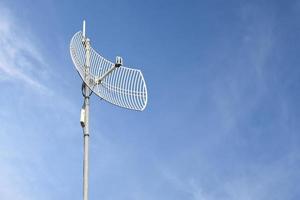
{"points": [[20, 60], [185, 185], [24, 172]]}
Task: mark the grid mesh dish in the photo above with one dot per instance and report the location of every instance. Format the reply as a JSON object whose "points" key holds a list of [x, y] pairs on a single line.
{"points": [[124, 87]]}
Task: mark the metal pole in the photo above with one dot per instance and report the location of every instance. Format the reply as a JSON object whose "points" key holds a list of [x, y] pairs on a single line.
{"points": [[86, 120], [86, 148]]}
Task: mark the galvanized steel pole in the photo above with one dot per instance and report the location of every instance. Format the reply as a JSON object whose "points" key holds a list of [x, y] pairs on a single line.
{"points": [[86, 118]]}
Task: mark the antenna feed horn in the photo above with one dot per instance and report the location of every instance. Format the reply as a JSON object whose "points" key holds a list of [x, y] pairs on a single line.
{"points": [[119, 61]]}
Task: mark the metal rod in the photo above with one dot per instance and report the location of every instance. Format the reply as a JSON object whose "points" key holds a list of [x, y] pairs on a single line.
{"points": [[86, 148], [83, 28], [86, 124], [98, 80]]}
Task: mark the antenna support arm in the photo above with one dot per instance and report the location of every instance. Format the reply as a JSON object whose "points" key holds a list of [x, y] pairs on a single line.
{"points": [[98, 80], [119, 63]]}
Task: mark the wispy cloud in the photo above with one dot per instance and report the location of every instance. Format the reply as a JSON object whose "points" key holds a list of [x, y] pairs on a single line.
{"points": [[256, 181], [24, 172], [239, 95], [20, 60], [185, 185]]}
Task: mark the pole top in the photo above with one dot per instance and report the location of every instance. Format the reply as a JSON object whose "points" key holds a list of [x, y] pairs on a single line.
{"points": [[83, 28]]}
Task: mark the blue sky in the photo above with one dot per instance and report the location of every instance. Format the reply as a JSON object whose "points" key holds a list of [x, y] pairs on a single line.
{"points": [[222, 121]]}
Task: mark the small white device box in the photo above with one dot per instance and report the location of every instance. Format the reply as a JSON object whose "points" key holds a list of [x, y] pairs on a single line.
{"points": [[82, 117]]}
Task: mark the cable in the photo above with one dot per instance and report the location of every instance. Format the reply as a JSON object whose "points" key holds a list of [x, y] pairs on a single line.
{"points": [[83, 90]]}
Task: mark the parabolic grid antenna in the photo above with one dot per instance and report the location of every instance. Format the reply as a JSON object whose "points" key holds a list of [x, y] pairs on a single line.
{"points": [[119, 85]]}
